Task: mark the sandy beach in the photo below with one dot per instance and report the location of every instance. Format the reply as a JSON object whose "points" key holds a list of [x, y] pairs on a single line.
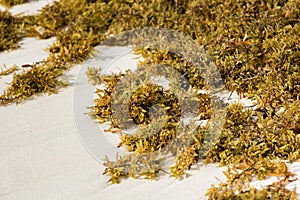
{"points": [[43, 156]]}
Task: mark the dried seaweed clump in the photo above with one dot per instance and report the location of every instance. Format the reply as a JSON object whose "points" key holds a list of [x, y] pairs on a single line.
{"points": [[37, 78], [251, 42], [140, 102], [252, 140], [12, 2], [8, 31], [255, 45], [274, 191], [77, 27], [142, 99], [237, 185], [250, 135]]}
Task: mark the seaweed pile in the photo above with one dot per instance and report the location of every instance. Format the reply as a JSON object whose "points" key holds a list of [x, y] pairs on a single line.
{"points": [[255, 45]]}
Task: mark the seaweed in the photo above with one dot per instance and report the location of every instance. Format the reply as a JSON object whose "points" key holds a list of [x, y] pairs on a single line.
{"points": [[10, 3], [255, 45], [9, 35]]}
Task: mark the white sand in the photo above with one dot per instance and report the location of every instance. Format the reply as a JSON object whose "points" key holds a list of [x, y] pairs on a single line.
{"points": [[42, 155]]}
